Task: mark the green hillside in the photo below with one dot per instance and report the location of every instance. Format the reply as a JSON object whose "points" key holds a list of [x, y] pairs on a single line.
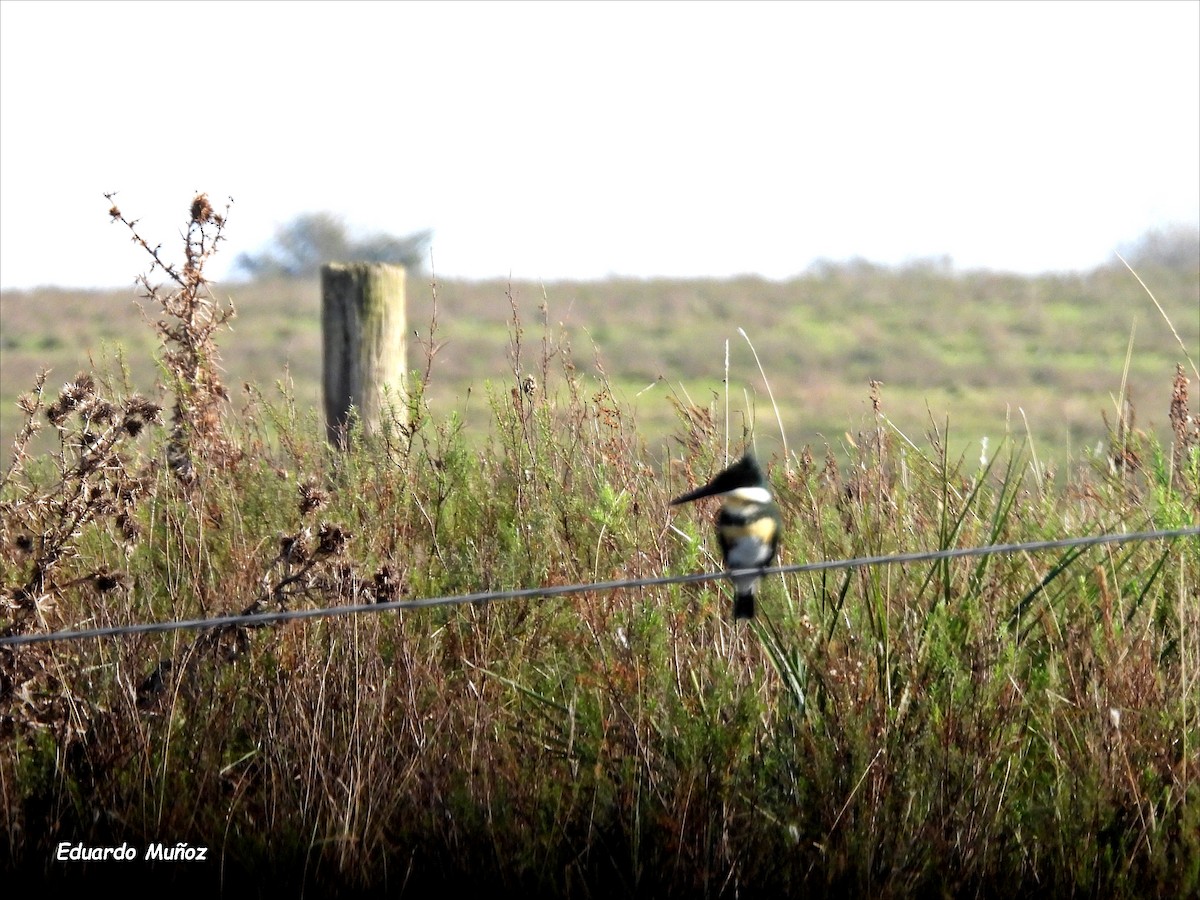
{"points": [[988, 353]]}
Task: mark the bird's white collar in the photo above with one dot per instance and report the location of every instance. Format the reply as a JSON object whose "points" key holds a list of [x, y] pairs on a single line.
{"points": [[751, 494]]}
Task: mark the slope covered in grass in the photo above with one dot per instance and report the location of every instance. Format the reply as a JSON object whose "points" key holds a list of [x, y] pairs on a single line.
{"points": [[989, 354]]}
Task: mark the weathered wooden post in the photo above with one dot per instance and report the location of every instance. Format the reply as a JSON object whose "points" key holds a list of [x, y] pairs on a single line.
{"points": [[363, 325]]}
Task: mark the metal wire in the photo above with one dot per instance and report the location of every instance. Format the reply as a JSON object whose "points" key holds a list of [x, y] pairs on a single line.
{"points": [[259, 619]]}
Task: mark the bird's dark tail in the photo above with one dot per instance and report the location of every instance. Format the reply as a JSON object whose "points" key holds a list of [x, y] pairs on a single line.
{"points": [[743, 605]]}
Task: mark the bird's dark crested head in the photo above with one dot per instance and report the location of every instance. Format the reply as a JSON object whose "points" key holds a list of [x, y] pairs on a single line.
{"points": [[745, 473]]}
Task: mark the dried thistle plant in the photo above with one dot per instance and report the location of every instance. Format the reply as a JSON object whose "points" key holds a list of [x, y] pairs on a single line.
{"points": [[94, 478], [303, 569], [190, 354]]}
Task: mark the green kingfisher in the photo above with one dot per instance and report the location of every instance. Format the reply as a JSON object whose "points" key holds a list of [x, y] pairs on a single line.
{"points": [[748, 525]]}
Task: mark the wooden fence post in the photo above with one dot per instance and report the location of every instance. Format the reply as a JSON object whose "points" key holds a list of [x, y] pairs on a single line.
{"points": [[363, 335]]}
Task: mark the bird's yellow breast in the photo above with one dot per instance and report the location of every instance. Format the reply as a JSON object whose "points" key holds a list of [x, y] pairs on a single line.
{"points": [[761, 529]]}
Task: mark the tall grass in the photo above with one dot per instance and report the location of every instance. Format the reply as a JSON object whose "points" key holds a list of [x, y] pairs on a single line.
{"points": [[1022, 724]]}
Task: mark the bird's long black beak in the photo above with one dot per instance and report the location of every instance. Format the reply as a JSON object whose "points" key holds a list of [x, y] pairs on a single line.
{"points": [[743, 473], [708, 490]]}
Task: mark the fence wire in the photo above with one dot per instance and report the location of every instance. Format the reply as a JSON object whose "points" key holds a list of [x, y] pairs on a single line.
{"points": [[254, 620]]}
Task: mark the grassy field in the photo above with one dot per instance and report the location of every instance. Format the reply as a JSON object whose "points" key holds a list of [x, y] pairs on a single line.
{"points": [[1016, 725], [986, 354]]}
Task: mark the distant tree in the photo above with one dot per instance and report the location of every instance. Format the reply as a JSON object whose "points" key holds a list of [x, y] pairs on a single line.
{"points": [[1173, 247], [303, 245], [857, 266]]}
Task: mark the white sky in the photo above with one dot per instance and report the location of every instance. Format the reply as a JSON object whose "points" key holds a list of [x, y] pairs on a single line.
{"points": [[580, 140]]}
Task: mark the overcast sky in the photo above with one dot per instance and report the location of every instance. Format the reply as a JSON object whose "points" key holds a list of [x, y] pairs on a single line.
{"points": [[579, 140]]}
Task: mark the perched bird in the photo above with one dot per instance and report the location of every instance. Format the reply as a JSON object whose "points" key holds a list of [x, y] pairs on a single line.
{"points": [[747, 525]]}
